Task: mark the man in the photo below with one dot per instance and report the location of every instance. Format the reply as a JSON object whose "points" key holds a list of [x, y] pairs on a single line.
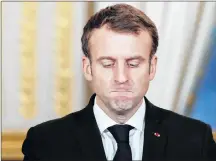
{"points": [[119, 123]]}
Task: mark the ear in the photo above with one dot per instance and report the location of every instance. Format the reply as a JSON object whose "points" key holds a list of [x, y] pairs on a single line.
{"points": [[153, 66], [87, 68]]}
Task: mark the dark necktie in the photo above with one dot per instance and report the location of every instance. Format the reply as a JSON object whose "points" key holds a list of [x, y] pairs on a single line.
{"points": [[121, 135]]}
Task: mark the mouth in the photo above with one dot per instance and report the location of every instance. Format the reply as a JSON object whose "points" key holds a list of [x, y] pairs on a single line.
{"points": [[122, 94], [121, 91]]}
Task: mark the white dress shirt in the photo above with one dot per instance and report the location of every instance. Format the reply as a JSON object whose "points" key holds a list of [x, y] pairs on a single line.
{"points": [[136, 136]]}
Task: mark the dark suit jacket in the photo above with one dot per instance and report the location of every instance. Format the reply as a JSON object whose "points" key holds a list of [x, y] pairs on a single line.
{"points": [[77, 137]]}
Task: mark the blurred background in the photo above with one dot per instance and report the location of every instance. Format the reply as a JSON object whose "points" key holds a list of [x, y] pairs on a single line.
{"points": [[41, 62]]}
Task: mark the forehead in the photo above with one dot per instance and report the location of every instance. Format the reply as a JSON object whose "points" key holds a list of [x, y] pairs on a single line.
{"points": [[106, 42]]}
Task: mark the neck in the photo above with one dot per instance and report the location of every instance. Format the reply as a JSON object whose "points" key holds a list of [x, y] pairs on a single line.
{"points": [[118, 117]]}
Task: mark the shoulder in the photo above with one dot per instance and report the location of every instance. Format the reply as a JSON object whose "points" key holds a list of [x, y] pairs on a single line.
{"points": [[172, 119], [183, 125], [56, 130], [48, 137], [60, 124], [182, 120]]}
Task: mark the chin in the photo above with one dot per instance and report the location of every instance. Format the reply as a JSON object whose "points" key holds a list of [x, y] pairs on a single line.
{"points": [[122, 104], [122, 98]]}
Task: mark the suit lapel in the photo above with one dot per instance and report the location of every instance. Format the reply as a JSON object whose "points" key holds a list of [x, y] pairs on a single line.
{"points": [[89, 134], [155, 136]]}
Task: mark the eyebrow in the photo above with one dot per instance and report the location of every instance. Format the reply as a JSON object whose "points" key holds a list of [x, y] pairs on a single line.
{"points": [[106, 57], [127, 59], [135, 57]]}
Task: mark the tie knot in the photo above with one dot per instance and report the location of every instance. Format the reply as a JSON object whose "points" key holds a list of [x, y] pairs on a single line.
{"points": [[120, 132]]}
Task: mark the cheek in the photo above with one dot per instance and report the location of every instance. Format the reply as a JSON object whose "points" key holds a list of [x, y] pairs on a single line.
{"points": [[140, 78], [103, 73], [140, 73], [102, 78]]}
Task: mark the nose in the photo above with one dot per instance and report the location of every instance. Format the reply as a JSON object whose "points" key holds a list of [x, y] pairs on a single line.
{"points": [[121, 74]]}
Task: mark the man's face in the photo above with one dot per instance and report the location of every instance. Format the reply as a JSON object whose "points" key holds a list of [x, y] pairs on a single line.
{"points": [[120, 71]]}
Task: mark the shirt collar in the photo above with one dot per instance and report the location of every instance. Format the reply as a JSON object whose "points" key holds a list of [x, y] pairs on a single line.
{"points": [[104, 121], [137, 120]]}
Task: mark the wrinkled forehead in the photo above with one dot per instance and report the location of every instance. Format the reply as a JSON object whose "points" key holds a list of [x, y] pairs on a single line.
{"points": [[106, 42]]}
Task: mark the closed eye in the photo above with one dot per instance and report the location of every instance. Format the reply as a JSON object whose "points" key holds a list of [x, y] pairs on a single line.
{"points": [[133, 65], [135, 62], [107, 65]]}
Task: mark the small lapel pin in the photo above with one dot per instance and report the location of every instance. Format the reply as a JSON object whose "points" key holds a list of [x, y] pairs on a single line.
{"points": [[156, 134]]}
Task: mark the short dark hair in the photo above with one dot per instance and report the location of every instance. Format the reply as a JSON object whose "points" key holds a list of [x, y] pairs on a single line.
{"points": [[120, 18]]}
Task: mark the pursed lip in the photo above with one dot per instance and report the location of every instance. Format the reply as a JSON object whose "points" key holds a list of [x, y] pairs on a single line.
{"points": [[121, 91]]}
